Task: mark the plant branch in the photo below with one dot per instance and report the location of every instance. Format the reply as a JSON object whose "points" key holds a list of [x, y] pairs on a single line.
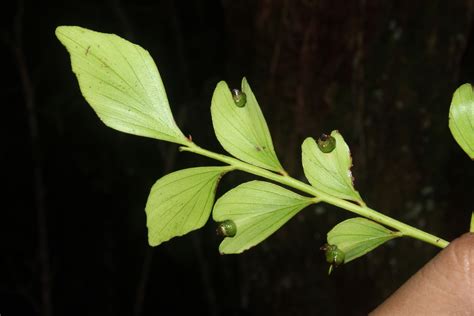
{"points": [[404, 229]]}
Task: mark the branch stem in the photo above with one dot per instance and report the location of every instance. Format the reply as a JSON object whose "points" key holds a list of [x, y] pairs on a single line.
{"points": [[362, 210]]}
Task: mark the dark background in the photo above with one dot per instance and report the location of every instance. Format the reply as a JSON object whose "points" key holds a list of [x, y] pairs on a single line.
{"points": [[73, 223]]}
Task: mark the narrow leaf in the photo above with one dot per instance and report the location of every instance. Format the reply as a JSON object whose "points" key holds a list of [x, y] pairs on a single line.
{"points": [[330, 172], [181, 202], [357, 236], [257, 209], [461, 118], [241, 128], [121, 82]]}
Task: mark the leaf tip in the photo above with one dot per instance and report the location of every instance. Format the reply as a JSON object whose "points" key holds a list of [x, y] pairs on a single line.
{"points": [[58, 30], [63, 31], [60, 33], [462, 94], [152, 241], [222, 84], [307, 140]]}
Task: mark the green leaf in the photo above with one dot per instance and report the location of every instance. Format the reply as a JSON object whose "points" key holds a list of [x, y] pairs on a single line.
{"points": [[471, 229], [330, 172], [181, 202], [357, 236], [121, 82], [257, 209], [241, 129], [461, 118]]}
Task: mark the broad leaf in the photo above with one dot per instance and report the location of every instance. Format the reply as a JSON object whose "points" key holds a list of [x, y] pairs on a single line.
{"points": [[181, 202], [330, 172], [461, 118], [121, 82], [242, 130], [258, 209], [357, 236]]}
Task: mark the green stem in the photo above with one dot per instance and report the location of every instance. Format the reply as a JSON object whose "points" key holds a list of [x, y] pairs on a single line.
{"points": [[361, 210]]}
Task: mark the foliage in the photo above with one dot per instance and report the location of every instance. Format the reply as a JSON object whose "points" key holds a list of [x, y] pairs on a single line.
{"points": [[122, 84], [461, 118]]}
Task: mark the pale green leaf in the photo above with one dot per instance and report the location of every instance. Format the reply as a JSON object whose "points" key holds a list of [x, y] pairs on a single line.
{"points": [[330, 172], [181, 202], [357, 236], [258, 209], [461, 118], [121, 82], [242, 131]]}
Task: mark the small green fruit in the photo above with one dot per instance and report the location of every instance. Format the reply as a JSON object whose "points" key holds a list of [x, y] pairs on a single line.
{"points": [[240, 98], [226, 229], [334, 256], [326, 143]]}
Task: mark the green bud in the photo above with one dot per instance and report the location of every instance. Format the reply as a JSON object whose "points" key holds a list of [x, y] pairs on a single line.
{"points": [[226, 228], [240, 98], [326, 143]]}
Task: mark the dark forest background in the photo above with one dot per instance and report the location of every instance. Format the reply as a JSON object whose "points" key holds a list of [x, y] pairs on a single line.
{"points": [[72, 217]]}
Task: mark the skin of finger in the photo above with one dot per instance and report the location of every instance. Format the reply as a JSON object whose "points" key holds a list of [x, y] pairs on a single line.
{"points": [[444, 286]]}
